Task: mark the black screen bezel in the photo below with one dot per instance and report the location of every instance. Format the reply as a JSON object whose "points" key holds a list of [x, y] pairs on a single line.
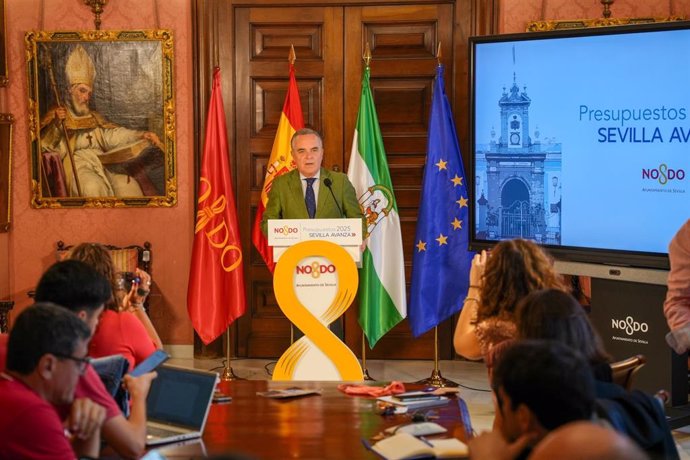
{"points": [[651, 260]]}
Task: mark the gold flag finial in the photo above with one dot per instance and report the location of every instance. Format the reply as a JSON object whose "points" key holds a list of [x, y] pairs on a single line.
{"points": [[438, 54], [367, 55], [292, 57]]}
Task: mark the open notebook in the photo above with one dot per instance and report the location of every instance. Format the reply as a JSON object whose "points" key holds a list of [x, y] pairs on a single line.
{"points": [[178, 404]]}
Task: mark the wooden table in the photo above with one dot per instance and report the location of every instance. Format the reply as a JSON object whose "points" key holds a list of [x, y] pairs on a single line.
{"points": [[329, 426]]}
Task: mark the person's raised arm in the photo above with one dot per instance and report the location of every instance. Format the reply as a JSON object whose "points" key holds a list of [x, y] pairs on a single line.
{"points": [[133, 302], [128, 436], [465, 340], [677, 304]]}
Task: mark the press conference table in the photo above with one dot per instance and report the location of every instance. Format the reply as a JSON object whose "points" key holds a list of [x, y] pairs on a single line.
{"points": [[329, 426]]}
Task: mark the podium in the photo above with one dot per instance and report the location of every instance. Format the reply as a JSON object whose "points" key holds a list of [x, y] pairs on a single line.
{"points": [[315, 281]]}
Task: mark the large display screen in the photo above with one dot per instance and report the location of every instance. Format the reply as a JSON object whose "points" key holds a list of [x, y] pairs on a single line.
{"points": [[581, 141]]}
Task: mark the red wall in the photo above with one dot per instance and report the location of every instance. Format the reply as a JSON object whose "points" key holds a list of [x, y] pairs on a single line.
{"points": [[29, 247], [515, 14]]}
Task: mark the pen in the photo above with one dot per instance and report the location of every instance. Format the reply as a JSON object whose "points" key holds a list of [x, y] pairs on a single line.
{"points": [[425, 441]]}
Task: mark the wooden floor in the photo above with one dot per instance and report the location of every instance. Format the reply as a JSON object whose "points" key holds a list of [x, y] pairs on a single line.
{"points": [[471, 376]]}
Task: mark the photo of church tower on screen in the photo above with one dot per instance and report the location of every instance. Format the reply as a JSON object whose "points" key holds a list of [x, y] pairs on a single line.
{"points": [[518, 183]]}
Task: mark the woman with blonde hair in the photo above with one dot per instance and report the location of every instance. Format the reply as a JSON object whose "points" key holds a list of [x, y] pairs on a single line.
{"points": [[124, 327], [499, 280]]}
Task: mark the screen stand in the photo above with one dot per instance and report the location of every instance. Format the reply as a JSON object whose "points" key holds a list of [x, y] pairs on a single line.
{"points": [[630, 319]]}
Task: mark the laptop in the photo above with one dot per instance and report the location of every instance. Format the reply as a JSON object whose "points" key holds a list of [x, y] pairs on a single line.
{"points": [[178, 404]]}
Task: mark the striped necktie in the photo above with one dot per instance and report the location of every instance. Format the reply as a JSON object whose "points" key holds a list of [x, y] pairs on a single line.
{"points": [[309, 198]]}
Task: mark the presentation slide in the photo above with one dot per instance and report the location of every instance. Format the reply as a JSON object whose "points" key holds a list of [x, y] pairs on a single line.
{"points": [[583, 141]]}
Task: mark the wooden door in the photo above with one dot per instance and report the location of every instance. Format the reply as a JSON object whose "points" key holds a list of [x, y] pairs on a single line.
{"points": [[262, 41], [403, 42], [250, 42]]}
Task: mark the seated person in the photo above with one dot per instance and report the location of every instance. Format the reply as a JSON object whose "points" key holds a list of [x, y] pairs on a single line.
{"points": [[555, 315], [498, 281], [124, 328], [539, 386], [77, 287], [551, 314], [46, 354], [588, 440]]}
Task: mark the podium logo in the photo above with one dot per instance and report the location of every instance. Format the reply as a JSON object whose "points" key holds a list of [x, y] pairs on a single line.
{"points": [[629, 325], [663, 174], [315, 269], [285, 230]]}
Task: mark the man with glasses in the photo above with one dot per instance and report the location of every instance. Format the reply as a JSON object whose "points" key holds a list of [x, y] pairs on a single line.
{"points": [[79, 288], [46, 356]]}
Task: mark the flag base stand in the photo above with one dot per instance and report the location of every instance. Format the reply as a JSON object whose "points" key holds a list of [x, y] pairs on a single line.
{"points": [[365, 371], [228, 374], [436, 379]]}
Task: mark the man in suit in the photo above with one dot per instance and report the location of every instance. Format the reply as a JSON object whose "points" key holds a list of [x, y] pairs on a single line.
{"points": [[303, 192], [311, 192]]}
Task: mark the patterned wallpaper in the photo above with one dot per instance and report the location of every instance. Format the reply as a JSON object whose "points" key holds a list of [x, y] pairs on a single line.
{"points": [[515, 14], [30, 245]]}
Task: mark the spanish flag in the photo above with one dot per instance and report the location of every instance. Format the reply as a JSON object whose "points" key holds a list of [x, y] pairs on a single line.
{"points": [[215, 295], [280, 161]]}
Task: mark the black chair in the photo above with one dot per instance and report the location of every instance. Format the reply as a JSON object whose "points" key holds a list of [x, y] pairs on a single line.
{"points": [[111, 370], [623, 372]]}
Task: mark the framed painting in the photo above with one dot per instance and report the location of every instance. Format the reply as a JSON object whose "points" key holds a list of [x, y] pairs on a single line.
{"points": [[543, 26], [101, 118], [6, 121]]}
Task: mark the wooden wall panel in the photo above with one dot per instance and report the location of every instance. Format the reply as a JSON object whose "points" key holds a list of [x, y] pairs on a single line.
{"points": [[262, 40], [253, 37], [403, 41]]}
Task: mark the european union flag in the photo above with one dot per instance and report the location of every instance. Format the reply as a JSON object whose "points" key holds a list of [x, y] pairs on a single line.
{"points": [[441, 265]]}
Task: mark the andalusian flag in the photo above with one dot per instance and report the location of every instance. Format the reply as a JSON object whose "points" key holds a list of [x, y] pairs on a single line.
{"points": [[382, 276], [280, 161]]}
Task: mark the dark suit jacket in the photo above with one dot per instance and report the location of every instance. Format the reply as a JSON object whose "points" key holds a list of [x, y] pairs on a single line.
{"points": [[286, 199]]}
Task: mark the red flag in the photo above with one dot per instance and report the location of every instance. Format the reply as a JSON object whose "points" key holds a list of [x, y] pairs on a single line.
{"points": [[215, 296], [279, 162]]}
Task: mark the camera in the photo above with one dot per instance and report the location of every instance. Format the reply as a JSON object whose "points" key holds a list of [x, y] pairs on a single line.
{"points": [[125, 280]]}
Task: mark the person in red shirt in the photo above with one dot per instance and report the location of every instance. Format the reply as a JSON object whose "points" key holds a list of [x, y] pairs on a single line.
{"points": [[124, 327], [46, 355], [82, 290]]}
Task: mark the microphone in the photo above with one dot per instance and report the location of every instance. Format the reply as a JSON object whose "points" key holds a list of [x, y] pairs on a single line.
{"points": [[328, 182]]}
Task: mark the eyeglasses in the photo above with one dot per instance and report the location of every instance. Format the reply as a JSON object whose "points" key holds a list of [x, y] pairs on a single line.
{"points": [[81, 362]]}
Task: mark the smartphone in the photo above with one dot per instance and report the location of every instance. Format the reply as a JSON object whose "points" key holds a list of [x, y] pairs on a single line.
{"points": [[220, 397], [124, 280], [416, 396], [154, 360]]}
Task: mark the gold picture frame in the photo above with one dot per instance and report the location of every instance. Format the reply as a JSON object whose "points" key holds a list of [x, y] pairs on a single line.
{"points": [[101, 118], [565, 24], [4, 77], [6, 122]]}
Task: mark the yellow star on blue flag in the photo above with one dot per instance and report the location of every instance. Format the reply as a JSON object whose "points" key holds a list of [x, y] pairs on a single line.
{"points": [[440, 272]]}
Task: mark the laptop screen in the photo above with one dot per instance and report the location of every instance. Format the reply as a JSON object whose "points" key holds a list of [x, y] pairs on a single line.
{"points": [[180, 396]]}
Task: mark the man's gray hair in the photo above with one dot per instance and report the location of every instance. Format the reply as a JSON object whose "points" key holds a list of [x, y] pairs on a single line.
{"points": [[304, 132]]}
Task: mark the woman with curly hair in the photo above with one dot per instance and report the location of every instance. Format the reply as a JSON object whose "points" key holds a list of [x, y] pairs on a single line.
{"points": [[498, 281], [124, 327]]}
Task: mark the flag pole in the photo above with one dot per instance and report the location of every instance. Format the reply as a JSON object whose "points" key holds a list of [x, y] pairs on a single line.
{"points": [[436, 379], [365, 371], [228, 373], [367, 59]]}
